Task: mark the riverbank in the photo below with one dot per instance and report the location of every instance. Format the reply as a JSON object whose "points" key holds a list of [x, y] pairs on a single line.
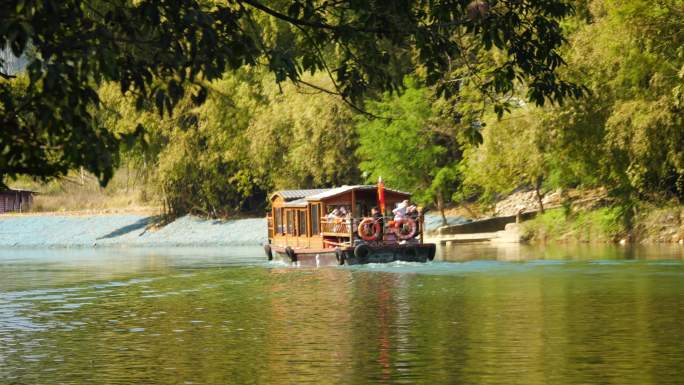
{"points": [[57, 230], [648, 224], [127, 230], [570, 216]]}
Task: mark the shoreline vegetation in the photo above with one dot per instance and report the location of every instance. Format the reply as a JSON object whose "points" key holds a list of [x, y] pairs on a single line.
{"points": [[612, 224], [588, 216], [586, 125], [570, 216]]}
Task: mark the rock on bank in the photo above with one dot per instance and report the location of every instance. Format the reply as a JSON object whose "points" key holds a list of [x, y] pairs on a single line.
{"points": [[127, 230]]}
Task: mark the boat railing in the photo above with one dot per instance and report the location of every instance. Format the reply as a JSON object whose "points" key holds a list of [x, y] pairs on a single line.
{"points": [[347, 227], [337, 227]]}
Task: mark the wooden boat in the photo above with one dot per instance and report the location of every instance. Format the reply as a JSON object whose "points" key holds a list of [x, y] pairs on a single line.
{"points": [[301, 231]]}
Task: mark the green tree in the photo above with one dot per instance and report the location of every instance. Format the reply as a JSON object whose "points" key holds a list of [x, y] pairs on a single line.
{"points": [[304, 138], [162, 52], [204, 167], [627, 135], [630, 133], [512, 155], [249, 137], [415, 150]]}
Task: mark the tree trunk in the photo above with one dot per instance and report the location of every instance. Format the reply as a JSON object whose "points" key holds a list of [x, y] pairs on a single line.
{"points": [[440, 206], [128, 174], [537, 187], [466, 206]]}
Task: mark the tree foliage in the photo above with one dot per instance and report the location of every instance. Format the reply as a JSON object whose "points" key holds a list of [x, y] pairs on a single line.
{"points": [[162, 52], [309, 93], [632, 129], [512, 155], [304, 138], [248, 138], [416, 150], [626, 135]]}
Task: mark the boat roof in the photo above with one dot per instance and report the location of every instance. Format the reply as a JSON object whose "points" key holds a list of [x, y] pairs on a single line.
{"points": [[296, 203], [289, 195], [299, 198]]}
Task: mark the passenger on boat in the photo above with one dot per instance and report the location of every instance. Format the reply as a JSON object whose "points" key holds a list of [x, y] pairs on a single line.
{"points": [[413, 212], [333, 214], [335, 218], [377, 215], [404, 210], [400, 211], [345, 218]]}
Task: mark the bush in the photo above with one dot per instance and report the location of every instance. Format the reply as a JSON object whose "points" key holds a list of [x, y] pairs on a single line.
{"points": [[605, 224]]}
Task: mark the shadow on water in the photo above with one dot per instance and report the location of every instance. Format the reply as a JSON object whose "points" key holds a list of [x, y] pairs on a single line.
{"points": [[140, 224]]}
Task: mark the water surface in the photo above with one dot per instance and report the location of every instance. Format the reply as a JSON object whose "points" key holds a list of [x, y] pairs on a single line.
{"points": [[481, 315]]}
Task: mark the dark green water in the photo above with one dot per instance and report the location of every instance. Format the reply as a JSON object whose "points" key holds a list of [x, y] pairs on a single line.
{"points": [[581, 316]]}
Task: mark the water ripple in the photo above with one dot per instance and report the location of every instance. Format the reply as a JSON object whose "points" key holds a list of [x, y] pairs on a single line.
{"points": [[537, 321]]}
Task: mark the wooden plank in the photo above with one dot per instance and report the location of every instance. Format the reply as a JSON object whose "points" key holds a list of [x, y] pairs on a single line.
{"points": [[309, 232], [353, 204], [341, 235]]}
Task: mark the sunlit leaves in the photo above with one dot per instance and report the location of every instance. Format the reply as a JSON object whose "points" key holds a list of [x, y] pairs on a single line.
{"points": [[160, 51], [411, 150], [626, 134], [79, 45]]}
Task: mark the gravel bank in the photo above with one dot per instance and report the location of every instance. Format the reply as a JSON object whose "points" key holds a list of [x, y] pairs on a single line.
{"points": [[127, 230], [132, 230]]}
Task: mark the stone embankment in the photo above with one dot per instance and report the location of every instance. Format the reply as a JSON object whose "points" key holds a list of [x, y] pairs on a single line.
{"points": [[526, 201], [651, 224], [493, 230], [134, 230], [519, 206], [126, 230], [664, 225]]}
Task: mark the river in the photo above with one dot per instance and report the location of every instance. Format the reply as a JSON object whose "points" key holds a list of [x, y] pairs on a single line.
{"points": [[480, 315]]}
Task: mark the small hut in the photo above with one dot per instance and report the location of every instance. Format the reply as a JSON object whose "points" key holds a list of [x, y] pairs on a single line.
{"points": [[15, 200]]}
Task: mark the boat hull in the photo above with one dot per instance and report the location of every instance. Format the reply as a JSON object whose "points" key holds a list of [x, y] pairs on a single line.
{"points": [[355, 256]]}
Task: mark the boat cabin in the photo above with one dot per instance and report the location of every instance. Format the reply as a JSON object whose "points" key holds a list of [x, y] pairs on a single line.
{"points": [[300, 218]]}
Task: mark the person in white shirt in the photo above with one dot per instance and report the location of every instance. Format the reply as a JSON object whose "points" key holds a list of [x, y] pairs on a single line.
{"points": [[334, 214], [400, 211]]}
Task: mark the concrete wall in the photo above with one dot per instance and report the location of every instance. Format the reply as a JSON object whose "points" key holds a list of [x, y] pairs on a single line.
{"points": [[489, 225]]}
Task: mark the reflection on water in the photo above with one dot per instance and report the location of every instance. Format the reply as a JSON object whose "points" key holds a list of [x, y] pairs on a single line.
{"points": [[583, 251], [212, 316]]}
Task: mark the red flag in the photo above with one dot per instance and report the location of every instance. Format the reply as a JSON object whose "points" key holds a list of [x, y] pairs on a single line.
{"points": [[381, 196]]}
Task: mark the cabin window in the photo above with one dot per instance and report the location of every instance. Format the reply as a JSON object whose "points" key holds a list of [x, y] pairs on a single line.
{"points": [[302, 222], [278, 221], [290, 222], [315, 219]]}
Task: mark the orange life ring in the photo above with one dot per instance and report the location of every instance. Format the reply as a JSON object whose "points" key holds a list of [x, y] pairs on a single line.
{"points": [[412, 227], [369, 229]]}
